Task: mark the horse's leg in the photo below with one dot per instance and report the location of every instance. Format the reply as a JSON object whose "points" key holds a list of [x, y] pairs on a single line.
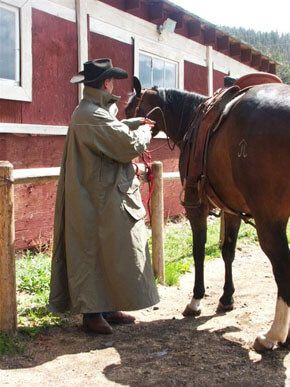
{"points": [[197, 218], [231, 225], [273, 240]]}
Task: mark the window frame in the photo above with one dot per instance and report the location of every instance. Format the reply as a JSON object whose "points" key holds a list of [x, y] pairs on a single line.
{"points": [[161, 51], [165, 60], [22, 91], [16, 81]]}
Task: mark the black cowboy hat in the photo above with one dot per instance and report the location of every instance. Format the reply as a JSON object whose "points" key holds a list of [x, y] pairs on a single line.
{"points": [[98, 70]]}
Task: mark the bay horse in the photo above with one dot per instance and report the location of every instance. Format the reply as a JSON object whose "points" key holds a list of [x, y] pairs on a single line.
{"points": [[248, 165]]}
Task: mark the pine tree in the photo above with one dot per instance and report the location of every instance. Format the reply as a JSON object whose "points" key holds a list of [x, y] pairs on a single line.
{"points": [[274, 45]]}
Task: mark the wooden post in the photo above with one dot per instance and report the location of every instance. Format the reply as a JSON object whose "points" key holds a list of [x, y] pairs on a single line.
{"points": [[8, 310], [82, 28], [209, 70], [157, 222]]}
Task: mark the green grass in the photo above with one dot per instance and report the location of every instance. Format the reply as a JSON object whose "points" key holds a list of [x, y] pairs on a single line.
{"points": [[32, 279], [178, 246]]}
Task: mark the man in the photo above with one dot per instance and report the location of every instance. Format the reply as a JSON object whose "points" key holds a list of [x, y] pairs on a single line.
{"points": [[100, 262]]}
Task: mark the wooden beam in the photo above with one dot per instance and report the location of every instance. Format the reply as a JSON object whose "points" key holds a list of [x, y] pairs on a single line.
{"points": [[272, 68], [82, 30], [156, 11], [178, 17], [157, 222], [246, 55], [256, 60], [235, 49], [223, 43], [8, 310], [131, 4], [210, 36], [209, 63], [265, 65], [194, 28]]}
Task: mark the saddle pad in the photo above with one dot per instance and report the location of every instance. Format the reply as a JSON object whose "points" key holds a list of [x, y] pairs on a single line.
{"points": [[257, 79]]}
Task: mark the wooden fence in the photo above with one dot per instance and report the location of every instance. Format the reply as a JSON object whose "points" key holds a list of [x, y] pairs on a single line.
{"points": [[8, 178]]}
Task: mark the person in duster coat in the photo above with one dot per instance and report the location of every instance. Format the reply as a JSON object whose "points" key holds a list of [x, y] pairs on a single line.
{"points": [[101, 264]]}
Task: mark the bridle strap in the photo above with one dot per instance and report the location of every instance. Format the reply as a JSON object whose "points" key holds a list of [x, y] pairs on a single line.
{"points": [[164, 124], [140, 100]]}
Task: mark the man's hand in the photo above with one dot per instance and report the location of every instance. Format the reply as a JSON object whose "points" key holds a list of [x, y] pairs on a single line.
{"points": [[147, 121]]}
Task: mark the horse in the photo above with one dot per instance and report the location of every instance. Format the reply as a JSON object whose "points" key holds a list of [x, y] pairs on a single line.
{"points": [[248, 163]]}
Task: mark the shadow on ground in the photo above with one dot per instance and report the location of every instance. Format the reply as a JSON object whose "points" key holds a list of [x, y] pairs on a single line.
{"points": [[162, 352]]}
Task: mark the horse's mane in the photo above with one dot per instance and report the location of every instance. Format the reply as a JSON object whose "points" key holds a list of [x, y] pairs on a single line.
{"points": [[177, 100]]}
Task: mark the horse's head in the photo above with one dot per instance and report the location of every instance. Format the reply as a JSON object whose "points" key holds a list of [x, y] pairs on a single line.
{"points": [[142, 102]]}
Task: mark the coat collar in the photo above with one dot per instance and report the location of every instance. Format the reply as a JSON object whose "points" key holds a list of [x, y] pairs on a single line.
{"points": [[100, 97]]}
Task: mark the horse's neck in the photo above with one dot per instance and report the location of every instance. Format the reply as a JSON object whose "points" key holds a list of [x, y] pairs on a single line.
{"points": [[179, 110]]}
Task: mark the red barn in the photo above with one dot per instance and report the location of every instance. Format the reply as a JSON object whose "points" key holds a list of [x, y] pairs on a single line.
{"points": [[43, 43]]}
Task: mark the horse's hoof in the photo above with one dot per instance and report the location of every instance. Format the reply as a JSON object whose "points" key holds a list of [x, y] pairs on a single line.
{"points": [[188, 311], [261, 344], [224, 308]]}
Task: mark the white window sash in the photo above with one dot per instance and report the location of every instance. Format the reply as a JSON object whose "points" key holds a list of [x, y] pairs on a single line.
{"points": [[157, 50], [21, 89], [165, 60]]}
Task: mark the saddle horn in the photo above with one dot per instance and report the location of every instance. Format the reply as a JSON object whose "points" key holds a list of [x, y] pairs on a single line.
{"points": [[137, 86]]}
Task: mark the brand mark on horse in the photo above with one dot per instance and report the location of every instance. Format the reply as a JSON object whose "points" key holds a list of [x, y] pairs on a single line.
{"points": [[243, 149]]}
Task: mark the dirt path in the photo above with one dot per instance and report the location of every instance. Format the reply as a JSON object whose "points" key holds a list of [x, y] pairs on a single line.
{"points": [[164, 349]]}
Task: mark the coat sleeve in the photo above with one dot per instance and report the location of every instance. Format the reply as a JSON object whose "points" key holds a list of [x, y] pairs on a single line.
{"points": [[106, 134], [132, 123]]}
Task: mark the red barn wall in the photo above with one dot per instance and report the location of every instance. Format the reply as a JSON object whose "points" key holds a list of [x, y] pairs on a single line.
{"points": [[55, 59], [218, 79], [195, 78], [25, 151], [122, 56], [54, 51]]}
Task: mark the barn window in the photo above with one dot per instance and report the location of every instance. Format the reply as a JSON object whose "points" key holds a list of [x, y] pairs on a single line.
{"points": [[9, 44], [15, 50], [156, 71]]}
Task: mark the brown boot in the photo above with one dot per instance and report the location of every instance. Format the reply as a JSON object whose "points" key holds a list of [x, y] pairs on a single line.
{"points": [[119, 318], [97, 325]]}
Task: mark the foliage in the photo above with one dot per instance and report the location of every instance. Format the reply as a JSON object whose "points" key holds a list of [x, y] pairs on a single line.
{"points": [[178, 246], [32, 278], [10, 345], [272, 44]]}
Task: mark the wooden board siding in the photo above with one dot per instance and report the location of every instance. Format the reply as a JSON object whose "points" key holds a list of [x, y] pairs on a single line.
{"points": [[10, 111], [54, 51], [34, 212], [195, 78], [25, 151], [218, 79], [122, 56]]}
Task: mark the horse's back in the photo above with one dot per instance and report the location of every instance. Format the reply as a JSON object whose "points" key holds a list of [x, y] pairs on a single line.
{"points": [[254, 150]]}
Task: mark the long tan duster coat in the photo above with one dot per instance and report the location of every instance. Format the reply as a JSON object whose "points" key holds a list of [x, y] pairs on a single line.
{"points": [[100, 257]]}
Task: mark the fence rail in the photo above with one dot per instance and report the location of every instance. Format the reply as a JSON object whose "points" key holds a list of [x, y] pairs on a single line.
{"points": [[25, 176], [10, 177]]}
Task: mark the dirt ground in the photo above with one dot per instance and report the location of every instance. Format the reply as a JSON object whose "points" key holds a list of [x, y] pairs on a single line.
{"points": [[165, 349]]}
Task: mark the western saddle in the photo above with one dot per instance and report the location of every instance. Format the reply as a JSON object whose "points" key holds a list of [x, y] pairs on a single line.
{"points": [[207, 120]]}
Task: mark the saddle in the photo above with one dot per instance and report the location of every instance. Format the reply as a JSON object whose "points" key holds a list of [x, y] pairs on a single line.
{"points": [[208, 118]]}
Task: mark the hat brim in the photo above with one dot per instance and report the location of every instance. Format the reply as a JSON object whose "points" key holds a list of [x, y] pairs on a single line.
{"points": [[114, 72]]}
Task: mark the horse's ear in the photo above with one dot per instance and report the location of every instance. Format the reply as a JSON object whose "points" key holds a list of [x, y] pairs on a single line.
{"points": [[137, 86]]}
